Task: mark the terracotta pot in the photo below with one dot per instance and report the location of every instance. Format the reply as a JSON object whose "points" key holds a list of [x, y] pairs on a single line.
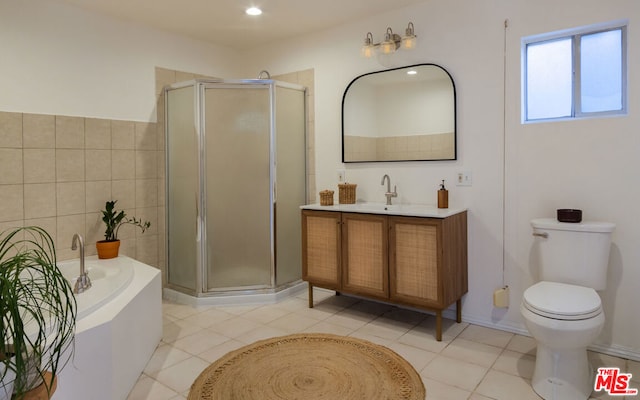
{"points": [[108, 249], [41, 392]]}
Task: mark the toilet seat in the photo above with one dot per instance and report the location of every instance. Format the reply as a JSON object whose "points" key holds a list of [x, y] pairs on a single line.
{"points": [[562, 301]]}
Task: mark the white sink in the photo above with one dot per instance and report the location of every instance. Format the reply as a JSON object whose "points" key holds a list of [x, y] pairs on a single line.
{"points": [[364, 207], [410, 210]]}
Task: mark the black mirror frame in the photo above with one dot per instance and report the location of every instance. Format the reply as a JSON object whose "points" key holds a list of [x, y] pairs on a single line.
{"points": [[455, 114]]}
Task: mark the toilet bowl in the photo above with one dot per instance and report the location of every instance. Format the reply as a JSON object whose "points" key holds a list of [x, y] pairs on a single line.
{"points": [[563, 319], [563, 312]]}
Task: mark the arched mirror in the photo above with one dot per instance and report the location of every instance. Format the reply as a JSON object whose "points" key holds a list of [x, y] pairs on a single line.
{"points": [[400, 114]]}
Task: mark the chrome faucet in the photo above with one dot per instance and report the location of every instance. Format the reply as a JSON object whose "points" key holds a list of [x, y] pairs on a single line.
{"points": [[389, 193], [83, 282]]}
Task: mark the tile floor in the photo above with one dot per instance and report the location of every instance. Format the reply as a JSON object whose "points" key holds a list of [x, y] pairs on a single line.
{"points": [[471, 362]]}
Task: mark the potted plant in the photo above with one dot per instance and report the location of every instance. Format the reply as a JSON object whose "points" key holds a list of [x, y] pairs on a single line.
{"points": [[113, 219], [37, 312]]}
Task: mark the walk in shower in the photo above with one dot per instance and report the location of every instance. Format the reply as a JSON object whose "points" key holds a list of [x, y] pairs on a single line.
{"points": [[236, 177]]}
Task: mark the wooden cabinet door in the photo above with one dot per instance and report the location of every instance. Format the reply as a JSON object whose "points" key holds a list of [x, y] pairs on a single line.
{"points": [[321, 241], [365, 266], [415, 254]]}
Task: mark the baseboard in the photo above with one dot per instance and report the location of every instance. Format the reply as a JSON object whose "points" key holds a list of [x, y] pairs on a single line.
{"points": [[604, 348], [235, 298], [616, 351]]}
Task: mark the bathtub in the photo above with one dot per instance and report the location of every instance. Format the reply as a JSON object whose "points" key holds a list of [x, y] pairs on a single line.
{"points": [[118, 327], [108, 278]]}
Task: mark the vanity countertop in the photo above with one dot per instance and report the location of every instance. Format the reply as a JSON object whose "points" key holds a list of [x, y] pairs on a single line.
{"points": [[407, 210]]}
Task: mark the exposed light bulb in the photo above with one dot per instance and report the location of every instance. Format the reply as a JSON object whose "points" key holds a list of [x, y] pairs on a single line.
{"points": [[368, 48], [367, 51], [409, 40], [409, 43], [388, 46]]}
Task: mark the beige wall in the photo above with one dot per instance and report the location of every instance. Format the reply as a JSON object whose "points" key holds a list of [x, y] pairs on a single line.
{"points": [[306, 78], [57, 172]]}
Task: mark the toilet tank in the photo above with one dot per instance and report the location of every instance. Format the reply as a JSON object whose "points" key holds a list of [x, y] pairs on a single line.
{"points": [[574, 253]]}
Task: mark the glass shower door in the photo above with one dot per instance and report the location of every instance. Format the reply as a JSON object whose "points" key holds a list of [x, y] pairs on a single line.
{"points": [[290, 181], [238, 186], [182, 174]]}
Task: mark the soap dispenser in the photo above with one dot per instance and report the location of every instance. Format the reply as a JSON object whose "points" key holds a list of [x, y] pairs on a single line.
{"points": [[443, 196]]}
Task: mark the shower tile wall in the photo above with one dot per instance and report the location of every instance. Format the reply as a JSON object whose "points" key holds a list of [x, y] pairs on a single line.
{"points": [[166, 77], [57, 172], [306, 78]]}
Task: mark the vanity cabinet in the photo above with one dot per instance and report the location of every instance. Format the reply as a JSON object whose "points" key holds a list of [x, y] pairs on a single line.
{"points": [[414, 261], [365, 265], [321, 244]]}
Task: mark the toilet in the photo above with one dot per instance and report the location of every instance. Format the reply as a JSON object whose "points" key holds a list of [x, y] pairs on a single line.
{"points": [[563, 312]]}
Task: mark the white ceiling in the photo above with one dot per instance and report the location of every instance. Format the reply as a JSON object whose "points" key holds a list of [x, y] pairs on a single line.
{"points": [[224, 22]]}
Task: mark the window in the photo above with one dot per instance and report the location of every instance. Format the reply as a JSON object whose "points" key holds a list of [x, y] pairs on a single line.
{"points": [[575, 74]]}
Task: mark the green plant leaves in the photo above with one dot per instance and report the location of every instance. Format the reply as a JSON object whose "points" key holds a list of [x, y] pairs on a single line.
{"points": [[114, 220], [37, 306]]}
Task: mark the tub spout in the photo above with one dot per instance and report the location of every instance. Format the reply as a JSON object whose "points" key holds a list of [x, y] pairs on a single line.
{"points": [[83, 282]]}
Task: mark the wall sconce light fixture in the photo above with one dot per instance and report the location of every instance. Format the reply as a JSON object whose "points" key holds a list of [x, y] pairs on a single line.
{"points": [[409, 39], [392, 41], [368, 49]]}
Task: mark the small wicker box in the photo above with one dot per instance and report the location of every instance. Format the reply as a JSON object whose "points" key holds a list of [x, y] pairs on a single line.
{"points": [[326, 198], [347, 193]]}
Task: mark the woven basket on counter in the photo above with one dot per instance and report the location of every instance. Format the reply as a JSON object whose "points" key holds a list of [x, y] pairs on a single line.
{"points": [[326, 198], [347, 193]]}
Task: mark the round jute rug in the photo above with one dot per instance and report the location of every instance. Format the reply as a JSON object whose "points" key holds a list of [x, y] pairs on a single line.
{"points": [[309, 367]]}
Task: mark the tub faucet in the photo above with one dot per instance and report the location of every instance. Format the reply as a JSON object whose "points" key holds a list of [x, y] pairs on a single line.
{"points": [[83, 282], [389, 193]]}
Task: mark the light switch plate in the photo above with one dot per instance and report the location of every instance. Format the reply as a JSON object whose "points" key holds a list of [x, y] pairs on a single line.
{"points": [[464, 178]]}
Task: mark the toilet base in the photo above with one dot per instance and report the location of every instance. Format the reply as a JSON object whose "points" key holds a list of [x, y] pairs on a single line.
{"points": [[562, 374]]}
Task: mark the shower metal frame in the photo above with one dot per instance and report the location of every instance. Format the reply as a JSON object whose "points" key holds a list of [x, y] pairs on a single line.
{"points": [[200, 85]]}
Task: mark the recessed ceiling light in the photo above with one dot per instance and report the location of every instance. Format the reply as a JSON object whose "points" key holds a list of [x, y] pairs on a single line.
{"points": [[412, 72], [253, 11]]}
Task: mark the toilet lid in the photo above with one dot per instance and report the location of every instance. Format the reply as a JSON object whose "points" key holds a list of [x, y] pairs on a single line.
{"points": [[562, 301]]}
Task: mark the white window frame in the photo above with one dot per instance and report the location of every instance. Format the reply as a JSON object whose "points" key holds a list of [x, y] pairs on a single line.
{"points": [[575, 34]]}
